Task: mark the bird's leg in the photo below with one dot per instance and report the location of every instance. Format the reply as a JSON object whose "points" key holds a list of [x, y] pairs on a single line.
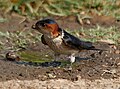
{"points": [[56, 56], [72, 59]]}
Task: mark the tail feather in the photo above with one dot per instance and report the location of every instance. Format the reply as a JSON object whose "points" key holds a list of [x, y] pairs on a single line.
{"points": [[97, 49], [89, 46]]}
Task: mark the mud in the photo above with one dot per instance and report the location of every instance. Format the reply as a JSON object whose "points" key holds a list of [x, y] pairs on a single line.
{"points": [[90, 65]]}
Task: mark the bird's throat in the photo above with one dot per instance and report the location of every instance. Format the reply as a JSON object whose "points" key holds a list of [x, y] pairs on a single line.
{"points": [[55, 33]]}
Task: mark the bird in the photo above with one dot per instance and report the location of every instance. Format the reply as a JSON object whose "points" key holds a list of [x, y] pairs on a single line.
{"points": [[60, 41]]}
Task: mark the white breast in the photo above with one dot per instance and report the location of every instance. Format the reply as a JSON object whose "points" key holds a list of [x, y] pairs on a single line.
{"points": [[57, 45], [57, 40]]}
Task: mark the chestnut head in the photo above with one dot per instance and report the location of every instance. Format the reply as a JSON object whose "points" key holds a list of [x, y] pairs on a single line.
{"points": [[46, 26]]}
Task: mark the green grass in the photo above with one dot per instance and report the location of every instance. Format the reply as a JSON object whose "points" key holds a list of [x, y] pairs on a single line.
{"points": [[63, 7], [17, 40], [35, 56], [21, 39], [2, 20], [98, 33]]}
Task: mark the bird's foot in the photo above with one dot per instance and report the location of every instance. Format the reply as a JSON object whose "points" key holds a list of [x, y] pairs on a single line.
{"points": [[70, 67]]}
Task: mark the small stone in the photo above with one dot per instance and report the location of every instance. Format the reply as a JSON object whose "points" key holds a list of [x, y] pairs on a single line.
{"points": [[82, 34], [88, 22], [46, 55], [51, 76], [118, 64], [117, 51], [114, 47], [12, 56]]}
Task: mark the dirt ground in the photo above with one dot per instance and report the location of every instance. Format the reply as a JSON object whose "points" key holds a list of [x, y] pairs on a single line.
{"points": [[100, 71]]}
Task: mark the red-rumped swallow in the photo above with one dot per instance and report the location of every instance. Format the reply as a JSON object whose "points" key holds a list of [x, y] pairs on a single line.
{"points": [[60, 41]]}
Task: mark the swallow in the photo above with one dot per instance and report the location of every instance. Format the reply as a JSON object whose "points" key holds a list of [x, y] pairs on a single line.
{"points": [[59, 40]]}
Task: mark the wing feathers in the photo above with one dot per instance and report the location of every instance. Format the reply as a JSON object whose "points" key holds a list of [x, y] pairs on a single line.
{"points": [[43, 40], [76, 43]]}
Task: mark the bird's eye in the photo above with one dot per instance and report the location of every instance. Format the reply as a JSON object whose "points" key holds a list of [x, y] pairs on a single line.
{"points": [[43, 24]]}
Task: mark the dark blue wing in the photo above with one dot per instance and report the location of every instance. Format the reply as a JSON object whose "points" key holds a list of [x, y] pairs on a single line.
{"points": [[43, 40], [76, 43]]}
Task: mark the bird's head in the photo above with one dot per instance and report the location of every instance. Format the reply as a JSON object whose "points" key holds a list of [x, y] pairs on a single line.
{"points": [[47, 27]]}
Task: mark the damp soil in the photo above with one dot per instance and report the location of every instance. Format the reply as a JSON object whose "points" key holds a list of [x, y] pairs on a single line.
{"points": [[90, 65]]}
